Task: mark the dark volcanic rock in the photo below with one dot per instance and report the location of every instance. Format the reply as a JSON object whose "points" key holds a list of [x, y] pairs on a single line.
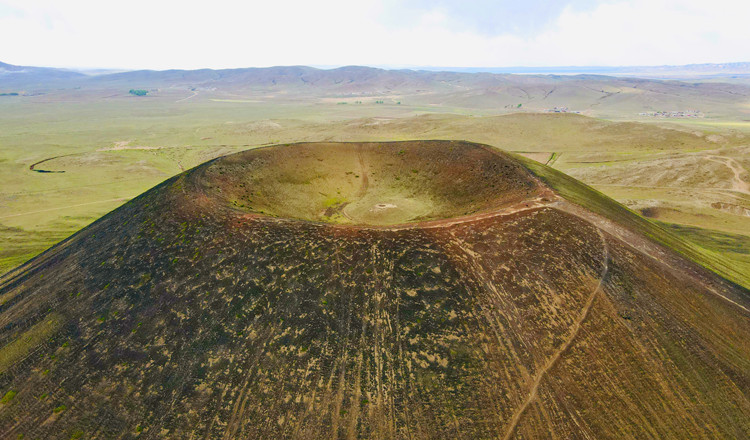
{"points": [[498, 311]]}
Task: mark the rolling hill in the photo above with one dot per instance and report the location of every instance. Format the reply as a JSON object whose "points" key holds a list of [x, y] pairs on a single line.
{"points": [[24, 77], [592, 94], [423, 289]]}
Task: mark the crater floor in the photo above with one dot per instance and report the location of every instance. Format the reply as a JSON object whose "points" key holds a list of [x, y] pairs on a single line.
{"points": [[377, 183]]}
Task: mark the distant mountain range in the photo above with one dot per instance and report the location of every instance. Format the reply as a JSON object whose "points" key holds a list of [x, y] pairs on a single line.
{"points": [[683, 71], [715, 89], [26, 76], [665, 71]]}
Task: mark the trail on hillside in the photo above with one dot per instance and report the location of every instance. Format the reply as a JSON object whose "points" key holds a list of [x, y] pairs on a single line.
{"points": [[238, 410], [362, 191], [365, 181], [195, 93], [540, 202], [638, 243], [556, 356], [738, 184]]}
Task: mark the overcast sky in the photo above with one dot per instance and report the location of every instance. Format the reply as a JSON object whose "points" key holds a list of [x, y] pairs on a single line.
{"points": [[460, 33]]}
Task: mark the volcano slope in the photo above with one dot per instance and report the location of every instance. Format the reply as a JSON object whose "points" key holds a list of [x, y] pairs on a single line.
{"points": [[429, 289]]}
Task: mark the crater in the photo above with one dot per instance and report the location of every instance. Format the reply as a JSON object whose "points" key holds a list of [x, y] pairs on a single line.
{"points": [[372, 183]]}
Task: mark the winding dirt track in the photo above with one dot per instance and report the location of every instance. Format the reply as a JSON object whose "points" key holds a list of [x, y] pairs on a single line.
{"points": [[738, 184], [556, 356], [635, 241], [195, 93], [32, 167], [365, 181], [364, 185]]}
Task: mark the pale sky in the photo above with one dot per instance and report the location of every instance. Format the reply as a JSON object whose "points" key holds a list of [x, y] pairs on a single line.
{"points": [[188, 34]]}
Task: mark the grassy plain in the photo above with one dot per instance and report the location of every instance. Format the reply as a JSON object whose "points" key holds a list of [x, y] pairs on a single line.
{"points": [[690, 175]]}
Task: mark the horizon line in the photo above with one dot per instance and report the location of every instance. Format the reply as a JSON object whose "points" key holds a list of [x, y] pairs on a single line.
{"points": [[460, 69]]}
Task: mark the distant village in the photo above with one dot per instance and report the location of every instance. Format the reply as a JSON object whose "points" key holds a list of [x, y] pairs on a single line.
{"points": [[674, 114]]}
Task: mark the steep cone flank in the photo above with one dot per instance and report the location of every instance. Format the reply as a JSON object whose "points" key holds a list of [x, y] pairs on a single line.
{"points": [[266, 295]]}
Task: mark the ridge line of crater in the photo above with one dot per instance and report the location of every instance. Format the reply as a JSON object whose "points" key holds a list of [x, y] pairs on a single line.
{"points": [[543, 201]]}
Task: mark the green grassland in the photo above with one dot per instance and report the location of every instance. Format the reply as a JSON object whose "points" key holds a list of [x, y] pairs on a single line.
{"points": [[733, 247], [114, 147]]}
